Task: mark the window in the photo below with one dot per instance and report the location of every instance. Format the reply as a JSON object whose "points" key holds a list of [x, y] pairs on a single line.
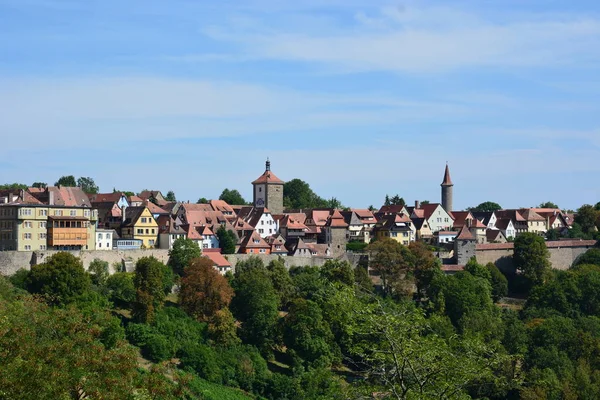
{"points": [[42, 236], [27, 224], [27, 247], [261, 231], [42, 224], [27, 236], [405, 234], [73, 213], [42, 247], [58, 213], [43, 213], [140, 231], [394, 234], [445, 219], [262, 222], [151, 242], [263, 251], [143, 220], [205, 246], [99, 244], [86, 213], [153, 231], [100, 236]]}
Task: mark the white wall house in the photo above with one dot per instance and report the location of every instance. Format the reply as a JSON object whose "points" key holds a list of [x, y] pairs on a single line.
{"points": [[267, 226], [104, 239]]}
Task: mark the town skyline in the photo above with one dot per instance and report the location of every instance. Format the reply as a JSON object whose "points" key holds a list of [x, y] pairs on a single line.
{"points": [[357, 98]]}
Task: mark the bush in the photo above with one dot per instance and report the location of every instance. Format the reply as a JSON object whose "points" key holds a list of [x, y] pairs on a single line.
{"points": [[121, 289], [158, 348], [356, 246], [19, 278]]}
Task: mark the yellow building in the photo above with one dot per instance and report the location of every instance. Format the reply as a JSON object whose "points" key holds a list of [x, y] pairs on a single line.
{"points": [[140, 224]]}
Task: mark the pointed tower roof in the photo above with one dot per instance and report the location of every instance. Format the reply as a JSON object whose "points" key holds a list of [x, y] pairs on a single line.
{"points": [[268, 176], [447, 181], [465, 234]]}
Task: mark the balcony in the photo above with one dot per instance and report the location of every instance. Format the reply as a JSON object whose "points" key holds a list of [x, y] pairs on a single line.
{"points": [[67, 231]]}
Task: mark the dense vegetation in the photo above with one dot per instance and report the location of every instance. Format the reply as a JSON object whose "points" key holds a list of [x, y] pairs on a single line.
{"points": [[306, 333]]}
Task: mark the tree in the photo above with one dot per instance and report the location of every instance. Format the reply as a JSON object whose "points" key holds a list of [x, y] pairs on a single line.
{"points": [[227, 240], [170, 196], [394, 201], [282, 282], [222, 328], [150, 288], [202, 200], [426, 266], [425, 202], [531, 257], [307, 335], [121, 289], [548, 204], [393, 262], [61, 278], [297, 194], [88, 185], [255, 305], [592, 256], [486, 206], [587, 218], [498, 281], [100, 272], [340, 272], [184, 250], [39, 185], [67, 180], [203, 290], [14, 186], [334, 203], [232, 197]]}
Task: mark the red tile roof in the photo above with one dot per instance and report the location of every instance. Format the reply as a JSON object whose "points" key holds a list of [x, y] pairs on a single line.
{"points": [[465, 234], [337, 220], [216, 257], [460, 217], [447, 181], [269, 178]]}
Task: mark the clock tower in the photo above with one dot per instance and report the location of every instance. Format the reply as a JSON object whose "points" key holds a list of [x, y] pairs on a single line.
{"points": [[268, 191]]}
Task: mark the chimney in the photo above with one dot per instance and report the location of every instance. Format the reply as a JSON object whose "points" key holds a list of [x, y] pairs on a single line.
{"points": [[50, 198], [123, 212], [417, 204]]}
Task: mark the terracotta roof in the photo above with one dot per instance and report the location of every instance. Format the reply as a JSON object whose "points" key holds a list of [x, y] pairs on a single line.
{"points": [[221, 205], [452, 267], [392, 209], [269, 178], [337, 220], [62, 196], [448, 233], [419, 213], [154, 209], [531, 215], [319, 250], [363, 213], [550, 244], [465, 234], [515, 215], [197, 207], [447, 181], [136, 199], [104, 197], [216, 257], [318, 217], [249, 242], [477, 224], [460, 217]]}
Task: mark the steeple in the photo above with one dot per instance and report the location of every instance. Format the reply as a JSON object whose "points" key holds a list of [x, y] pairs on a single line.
{"points": [[447, 181], [268, 165]]}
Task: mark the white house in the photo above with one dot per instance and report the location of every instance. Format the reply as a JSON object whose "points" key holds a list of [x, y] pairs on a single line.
{"points": [[260, 219], [437, 218], [104, 239], [446, 236]]}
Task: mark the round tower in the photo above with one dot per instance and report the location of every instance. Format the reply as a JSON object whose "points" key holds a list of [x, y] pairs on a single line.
{"points": [[447, 186]]}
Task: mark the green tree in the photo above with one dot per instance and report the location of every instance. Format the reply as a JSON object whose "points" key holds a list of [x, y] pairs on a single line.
{"points": [[203, 290], [14, 186], [394, 201], [170, 196], [202, 200], [486, 206], [39, 185], [306, 334], [548, 204], [587, 218], [531, 258], [227, 240], [592, 256], [498, 281], [150, 288], [297, 194], [336, 271], [222, 329], [255, 305], [282, 282], [100, 272], [61, 278], [334, 203], [184, 250], [426, 266], [87, 184], [393, 262], [67, 180], [121, 289], [232, 197]]}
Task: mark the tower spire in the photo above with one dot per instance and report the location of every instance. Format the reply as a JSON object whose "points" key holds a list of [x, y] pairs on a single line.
{"points": [[268, 165], [447, 181], [447, 187]]}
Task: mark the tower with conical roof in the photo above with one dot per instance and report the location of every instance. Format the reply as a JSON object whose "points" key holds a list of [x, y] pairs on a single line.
{"points": [[268, 191], [447, 186]]}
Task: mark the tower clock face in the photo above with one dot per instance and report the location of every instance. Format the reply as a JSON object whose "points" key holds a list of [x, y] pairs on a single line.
{"points": [[260, 202]]}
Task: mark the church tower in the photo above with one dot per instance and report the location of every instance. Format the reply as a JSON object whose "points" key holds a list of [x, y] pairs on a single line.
{"points": [[447, 186], [268, 191]]}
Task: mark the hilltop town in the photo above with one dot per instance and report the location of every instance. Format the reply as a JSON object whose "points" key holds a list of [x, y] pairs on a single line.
{"points": [[40, 219]]}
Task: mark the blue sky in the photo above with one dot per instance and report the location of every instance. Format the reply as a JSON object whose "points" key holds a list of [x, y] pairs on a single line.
{"points": [[357, 97]]}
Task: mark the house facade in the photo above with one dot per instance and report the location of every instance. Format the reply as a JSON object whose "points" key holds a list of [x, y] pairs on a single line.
{"points": [[104, 239], [140, 224]]}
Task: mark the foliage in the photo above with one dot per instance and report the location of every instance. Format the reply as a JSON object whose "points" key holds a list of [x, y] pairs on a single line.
{"points": [[498, 281], [88, 185], [393, 262], [486, 206], [587, 217], [357, 246], [339, 272], [232, 197], [426, 266], [592, 256], [222, 329], [184, 250], [14, 186], [282, 282], [19, 278], [56, 353], [202, 200], [227, 240], [100, 272], [297, 194], [61, 279], [531, 257], [394, 201], [150, 289], [39, 185], [548, 204], [67, 180], [170, 196], [255, 306], [121, 289], [203, 290]]}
